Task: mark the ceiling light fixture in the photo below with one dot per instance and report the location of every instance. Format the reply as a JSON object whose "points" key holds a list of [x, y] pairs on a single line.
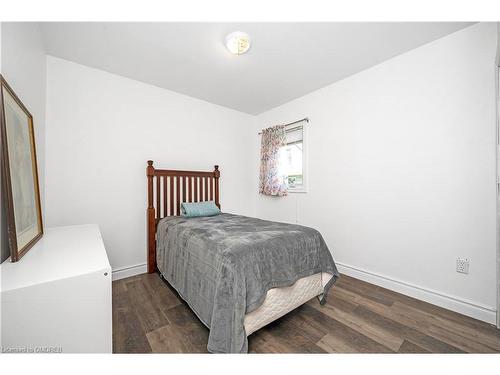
{"points": [[238, 42]]}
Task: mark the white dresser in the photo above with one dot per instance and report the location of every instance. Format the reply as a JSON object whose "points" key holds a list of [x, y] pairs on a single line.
{"points": [[57, 298]]}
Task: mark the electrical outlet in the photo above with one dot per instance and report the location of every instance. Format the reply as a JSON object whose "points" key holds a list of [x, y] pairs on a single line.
{"points": [[463, 265]]}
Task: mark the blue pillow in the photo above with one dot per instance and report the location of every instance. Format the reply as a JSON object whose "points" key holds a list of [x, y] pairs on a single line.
{"points": [[199, 209]]}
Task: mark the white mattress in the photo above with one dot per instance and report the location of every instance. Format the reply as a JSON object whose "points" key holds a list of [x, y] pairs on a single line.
{"points": [[280, 301]]}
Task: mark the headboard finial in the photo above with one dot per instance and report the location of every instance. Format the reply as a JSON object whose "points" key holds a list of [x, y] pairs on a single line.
{"points": [[150, 170]]}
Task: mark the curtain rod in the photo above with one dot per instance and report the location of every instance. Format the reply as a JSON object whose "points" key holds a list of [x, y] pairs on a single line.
{"points": [[306, 119]]}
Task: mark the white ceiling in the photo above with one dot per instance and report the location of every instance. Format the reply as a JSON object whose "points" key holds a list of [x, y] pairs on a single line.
{"points": [[286, 60]]}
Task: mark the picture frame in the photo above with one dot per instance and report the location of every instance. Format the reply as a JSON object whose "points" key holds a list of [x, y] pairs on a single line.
{"points": [[20, 173]]}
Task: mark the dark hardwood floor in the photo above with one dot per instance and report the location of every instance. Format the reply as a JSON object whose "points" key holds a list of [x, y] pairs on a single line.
{"points": [[148, 316]]}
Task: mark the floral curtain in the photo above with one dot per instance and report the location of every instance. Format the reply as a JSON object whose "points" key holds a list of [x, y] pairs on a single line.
{"points": [[271, 182]]}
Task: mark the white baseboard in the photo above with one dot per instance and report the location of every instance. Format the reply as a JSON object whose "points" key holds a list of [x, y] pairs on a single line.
{"points": [[124, 272], [472, 309]]}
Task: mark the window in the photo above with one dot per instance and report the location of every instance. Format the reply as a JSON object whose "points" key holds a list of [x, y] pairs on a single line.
{"points": [[292, 157]]}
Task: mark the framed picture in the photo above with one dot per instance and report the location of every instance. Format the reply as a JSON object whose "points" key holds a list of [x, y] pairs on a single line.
{"points": [[20, 174]]}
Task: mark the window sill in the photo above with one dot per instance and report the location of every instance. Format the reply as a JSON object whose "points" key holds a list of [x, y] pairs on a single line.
{"points": [[297, 190]]}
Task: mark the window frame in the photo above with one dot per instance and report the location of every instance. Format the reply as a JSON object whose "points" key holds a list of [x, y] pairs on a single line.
{"points": [[304, 187]]}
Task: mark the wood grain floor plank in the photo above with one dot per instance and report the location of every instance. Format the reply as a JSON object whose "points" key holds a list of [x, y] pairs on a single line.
{"points": [[148, 312], [409, 347], [118, 289], [376, 333], [295, 341], [162, 294], [193, 330], [339, 303], [468, 346], [171, 339], [303, 326], [342, 332], [369, 291], [358, 299], [397, 327], [467, 338], [333, 344], [129, 337], [261, 342], [128, 333]]}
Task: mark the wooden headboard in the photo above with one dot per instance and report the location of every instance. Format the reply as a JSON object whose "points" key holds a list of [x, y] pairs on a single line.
{"points": [[167, 189]]}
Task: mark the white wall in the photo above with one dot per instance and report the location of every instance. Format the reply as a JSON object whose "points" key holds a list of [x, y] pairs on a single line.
{"points": [[101, 130], [23, 66], [402, 171]]}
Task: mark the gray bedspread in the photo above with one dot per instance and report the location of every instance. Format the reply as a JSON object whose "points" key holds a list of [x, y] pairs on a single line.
{"points": [[223, 266]]}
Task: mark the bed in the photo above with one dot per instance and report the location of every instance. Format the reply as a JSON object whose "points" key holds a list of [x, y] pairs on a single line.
{"points": [[236, 273]]}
